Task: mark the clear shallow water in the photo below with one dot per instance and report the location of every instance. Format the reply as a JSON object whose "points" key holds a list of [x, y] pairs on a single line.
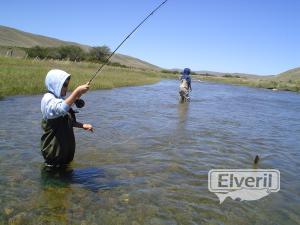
{"points": [[148, 160]]}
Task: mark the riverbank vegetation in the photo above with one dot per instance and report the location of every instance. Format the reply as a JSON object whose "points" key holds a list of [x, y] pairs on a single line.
{"points": [[287, 81], [26, 76]]}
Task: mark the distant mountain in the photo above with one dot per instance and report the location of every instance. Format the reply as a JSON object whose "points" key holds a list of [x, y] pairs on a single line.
{"points": [[10, 37], [212, 73], [221, 74]]}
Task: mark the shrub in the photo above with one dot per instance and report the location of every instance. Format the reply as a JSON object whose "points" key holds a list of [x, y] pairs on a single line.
{"points": [[99, 53]]}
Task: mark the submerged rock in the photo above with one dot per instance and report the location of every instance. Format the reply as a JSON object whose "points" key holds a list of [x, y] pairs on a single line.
{"points": [[8, 211], [83, 222], [124, 198], [18, 219]]}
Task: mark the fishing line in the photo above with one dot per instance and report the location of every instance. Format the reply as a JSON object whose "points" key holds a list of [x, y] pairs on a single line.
{"points": [[79, 102]]}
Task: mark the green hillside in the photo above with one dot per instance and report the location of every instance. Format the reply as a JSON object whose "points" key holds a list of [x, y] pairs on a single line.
{"points": [[293, 74], [16, 38], [11, 38]]}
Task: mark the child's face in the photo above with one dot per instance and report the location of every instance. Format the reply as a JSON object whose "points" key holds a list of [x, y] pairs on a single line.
{"points": [[64, 88]]}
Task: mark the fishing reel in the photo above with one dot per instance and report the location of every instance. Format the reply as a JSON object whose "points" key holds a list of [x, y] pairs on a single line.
{"points": [[79, 103]]}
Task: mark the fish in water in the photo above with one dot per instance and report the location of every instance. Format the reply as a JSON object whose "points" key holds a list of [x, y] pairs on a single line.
{"points": [[244, 194]]}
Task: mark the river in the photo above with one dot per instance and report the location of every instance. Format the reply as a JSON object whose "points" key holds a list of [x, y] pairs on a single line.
{"points": [[148, 160]]}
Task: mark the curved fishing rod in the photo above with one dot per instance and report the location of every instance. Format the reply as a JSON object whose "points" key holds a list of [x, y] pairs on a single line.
{"points": [[108, 58]]}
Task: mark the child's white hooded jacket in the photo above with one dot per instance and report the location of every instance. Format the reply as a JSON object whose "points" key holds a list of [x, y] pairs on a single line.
{"points": [[53, 104]]}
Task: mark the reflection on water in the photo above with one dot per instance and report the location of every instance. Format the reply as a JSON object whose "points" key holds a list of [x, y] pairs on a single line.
{"points": [[148, 160], [93, 179], [182, 112]]}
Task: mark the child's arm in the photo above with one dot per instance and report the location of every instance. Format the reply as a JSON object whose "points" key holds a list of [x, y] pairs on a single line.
{"points": [[80, 90], [76, 94], [85, 126], [53, 107]]}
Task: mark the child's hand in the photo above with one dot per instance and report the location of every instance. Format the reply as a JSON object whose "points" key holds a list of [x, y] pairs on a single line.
{"points": [[82, 89], [88, 127]]}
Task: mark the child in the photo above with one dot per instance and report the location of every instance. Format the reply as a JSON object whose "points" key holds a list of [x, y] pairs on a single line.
{"points": [[58, 141]]}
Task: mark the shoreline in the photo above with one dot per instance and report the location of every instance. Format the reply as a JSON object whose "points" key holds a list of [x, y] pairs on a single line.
{"points": [[92, 89], [274, 84], [150, 83], [26, 77]]}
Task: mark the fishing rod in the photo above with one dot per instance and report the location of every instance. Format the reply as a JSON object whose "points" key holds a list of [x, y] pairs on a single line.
{"points": [[108, 58], [79, 102]]}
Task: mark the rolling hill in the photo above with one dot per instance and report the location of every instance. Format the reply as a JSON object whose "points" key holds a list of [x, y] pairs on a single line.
{"points": [[13, 38], [293, 74], [221, 74], [16, 38], [10, 37]]}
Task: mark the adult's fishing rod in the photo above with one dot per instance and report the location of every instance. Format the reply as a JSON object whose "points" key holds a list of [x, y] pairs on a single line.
{"points": [[108, 58]]}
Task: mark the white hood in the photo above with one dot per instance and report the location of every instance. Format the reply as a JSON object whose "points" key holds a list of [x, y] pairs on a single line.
{"points": [[55, 80]]}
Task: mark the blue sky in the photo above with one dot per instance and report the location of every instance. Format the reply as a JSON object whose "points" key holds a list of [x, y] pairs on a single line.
{"points": [[251, 36]]}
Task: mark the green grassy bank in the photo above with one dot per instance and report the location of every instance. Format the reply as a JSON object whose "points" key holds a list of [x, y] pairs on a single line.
{"points": [[26, 76], [280, 82]]}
